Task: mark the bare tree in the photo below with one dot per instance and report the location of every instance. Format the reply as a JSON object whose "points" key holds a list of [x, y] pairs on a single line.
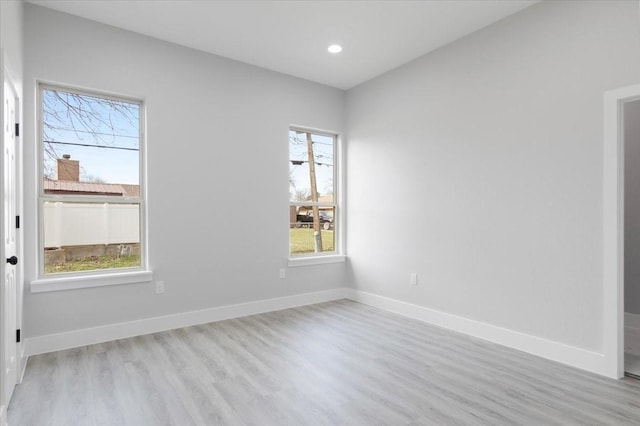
{"points": [[85, 177], [94, 121], [302, 195]]}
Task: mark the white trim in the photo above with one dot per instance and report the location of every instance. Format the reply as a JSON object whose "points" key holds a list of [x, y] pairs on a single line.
{"points": [[339, 195], [613, 230], [22, 365], [312, 204], [631, 320], [316, 260], [566, 354], [71, 339], [70, 282], [314, 130]]}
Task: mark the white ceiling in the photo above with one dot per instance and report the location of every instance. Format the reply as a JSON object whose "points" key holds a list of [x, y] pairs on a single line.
{"points": [[292, 36]]}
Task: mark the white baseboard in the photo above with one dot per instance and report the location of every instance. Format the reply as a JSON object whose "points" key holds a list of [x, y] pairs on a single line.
{"points": [[22, 361], [566, 354], [76, 338]]}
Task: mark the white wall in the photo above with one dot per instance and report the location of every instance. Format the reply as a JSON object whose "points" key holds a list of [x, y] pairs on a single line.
{"points": [[632, 208], [479, 166], [217, 148], [11, 38]]}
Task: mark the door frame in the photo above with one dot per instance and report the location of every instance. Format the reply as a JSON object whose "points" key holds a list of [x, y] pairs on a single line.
{"points": [[613, 228]]}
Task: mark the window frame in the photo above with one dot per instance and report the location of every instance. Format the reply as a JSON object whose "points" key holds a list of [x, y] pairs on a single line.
{"points": [[336, 255], [98, 277]]}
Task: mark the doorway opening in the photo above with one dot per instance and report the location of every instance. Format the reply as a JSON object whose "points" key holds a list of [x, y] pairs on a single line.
{"points": [[630, 128], [613, 228]]}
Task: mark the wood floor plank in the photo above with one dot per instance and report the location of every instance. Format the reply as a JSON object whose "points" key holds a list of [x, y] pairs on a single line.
{"points": [[335, 363]]}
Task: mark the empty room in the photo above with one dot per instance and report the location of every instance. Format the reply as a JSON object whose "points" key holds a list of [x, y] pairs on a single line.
{"points": [[320, 212]]}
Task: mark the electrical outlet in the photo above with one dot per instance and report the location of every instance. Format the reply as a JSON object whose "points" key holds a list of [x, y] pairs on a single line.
{"points": [[159, 287], [283, 273], [413, 278]]}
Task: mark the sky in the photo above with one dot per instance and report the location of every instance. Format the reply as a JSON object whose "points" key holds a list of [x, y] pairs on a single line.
{"points": [[107, 130]]}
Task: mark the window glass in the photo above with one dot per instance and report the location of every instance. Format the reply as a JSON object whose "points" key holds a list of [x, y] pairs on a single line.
{"points": [[91, 193], [312, 194]]}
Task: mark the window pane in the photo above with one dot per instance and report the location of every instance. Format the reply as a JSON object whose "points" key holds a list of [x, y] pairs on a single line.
{"points": [[90, 236], [303, 230], [89, 140], [302, 173], [90, 148]]}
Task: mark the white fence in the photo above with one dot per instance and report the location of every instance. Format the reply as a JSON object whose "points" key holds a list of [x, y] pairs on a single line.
{"points": [[78, 224]]}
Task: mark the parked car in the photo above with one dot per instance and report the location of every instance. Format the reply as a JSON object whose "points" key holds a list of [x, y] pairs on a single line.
{"points": [[326, 219]]}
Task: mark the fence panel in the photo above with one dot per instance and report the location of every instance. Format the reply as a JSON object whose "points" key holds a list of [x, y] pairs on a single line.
{"points": [[76, 224]]}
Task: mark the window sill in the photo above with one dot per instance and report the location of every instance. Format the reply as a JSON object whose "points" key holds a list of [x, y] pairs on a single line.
{"points": [[86, 281], [316, 260]]}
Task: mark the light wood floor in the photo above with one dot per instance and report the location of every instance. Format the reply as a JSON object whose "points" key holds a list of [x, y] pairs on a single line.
{"points": [[337, 363]]}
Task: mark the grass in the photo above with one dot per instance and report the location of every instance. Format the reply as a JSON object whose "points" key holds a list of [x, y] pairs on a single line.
{"points": [[93, 263], [301, 240]]}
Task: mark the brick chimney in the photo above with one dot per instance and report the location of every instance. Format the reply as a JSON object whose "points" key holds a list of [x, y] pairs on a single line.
{"points": [[68, 169]]}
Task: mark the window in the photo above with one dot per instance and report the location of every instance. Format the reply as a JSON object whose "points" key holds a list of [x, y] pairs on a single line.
{"points": [[312, 193], [91, 194]]}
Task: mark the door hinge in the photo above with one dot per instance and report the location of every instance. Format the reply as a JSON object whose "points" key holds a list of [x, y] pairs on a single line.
{"points": [[18, 336], [17, 222], [17, 129]]}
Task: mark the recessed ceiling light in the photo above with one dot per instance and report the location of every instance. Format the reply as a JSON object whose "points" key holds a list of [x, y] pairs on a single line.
{"points": [[335, 48]]}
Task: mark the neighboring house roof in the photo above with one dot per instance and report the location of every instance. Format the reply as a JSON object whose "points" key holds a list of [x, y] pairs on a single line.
{"points": [[325, 198], [130, 190], [73, 187], [321, 199]]}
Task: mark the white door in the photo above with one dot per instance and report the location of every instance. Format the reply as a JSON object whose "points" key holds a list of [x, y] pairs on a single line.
{"points": [[8, 362]]}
